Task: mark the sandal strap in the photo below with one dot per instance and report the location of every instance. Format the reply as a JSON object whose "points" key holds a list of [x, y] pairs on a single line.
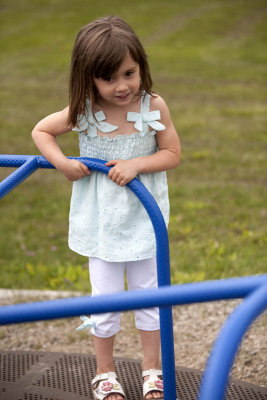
{"points": [[106, 384], [102, 377], [153, 384], [152, 372]]}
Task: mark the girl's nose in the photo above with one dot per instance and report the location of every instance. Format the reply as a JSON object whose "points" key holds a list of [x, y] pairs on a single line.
{"points": [[122, 86]]}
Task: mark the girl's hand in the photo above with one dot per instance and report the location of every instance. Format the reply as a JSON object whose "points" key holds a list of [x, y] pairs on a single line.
{"points": [[123, 171], [74, 169]]}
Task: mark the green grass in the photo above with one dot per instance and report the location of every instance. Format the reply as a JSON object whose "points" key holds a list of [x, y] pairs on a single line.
{"points": [[208, 60]]}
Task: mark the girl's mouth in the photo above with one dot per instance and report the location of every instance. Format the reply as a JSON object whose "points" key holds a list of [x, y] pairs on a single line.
{"points": [[123, 96]]}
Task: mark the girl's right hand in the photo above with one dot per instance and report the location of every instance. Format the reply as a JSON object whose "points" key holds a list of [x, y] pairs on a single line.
{"points": [[74, 169]]}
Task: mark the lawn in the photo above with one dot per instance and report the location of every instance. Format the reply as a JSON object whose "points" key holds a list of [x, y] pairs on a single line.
{"points": [[208, 61]]}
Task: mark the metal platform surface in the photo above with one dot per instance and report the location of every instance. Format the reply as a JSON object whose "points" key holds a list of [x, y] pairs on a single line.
{"points": [[28, 375]]}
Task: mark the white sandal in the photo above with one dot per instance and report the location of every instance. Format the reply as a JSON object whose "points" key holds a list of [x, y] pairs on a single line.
{"points": [[154, 383], [106, 384]]}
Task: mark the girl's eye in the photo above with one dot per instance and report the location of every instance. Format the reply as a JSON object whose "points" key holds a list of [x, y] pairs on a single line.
{"points": [[129, 73], [107, 79]]}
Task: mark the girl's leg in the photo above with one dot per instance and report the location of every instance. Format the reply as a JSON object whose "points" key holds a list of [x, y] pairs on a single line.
{"points": [[106, 278], [143, 275], [104, 354], [104, 357], [151, 349]]}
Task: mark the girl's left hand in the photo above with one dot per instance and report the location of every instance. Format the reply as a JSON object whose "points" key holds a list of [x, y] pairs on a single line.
{"points": [[123, 171]]}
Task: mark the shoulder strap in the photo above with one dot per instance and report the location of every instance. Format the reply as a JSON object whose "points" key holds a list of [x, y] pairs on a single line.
{"points": [[90, 123], [145, 103], [88, 109]]}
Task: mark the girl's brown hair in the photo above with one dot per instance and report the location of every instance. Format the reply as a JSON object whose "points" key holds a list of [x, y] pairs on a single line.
{"points": [[98, 52]]}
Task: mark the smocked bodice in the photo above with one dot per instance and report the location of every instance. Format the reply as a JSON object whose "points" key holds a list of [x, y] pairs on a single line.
{"points": [[125, 146]]}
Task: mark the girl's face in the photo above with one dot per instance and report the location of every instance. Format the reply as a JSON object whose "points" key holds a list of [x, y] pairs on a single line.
{"points": [[121, 88]]}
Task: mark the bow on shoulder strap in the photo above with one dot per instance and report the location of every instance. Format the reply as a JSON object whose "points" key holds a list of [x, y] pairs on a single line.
{"points": [[89, 123], [151, 118]]}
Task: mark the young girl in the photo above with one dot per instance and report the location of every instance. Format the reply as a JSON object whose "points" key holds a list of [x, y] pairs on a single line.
{"points": [[120, 120]]}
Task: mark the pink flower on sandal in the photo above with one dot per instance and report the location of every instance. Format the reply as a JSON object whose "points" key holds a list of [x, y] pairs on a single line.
{"points": [[107, 386], [159, 384]]}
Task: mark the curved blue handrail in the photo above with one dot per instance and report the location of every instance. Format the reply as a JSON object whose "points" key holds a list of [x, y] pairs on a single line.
{"points": [[218, 367], [222, 355], [28, 164]]}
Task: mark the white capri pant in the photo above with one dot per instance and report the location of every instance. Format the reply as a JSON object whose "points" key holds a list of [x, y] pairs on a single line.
{"points": [[109, 277]]}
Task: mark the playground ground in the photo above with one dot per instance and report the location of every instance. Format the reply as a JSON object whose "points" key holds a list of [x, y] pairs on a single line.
{"points": [[191, 324]]}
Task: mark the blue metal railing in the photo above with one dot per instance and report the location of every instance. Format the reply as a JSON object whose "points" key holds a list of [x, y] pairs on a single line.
{"points": [[222, 356]]}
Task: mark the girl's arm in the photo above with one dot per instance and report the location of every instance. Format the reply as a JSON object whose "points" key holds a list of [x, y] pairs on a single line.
{"points": [[44, 136], [167, 156]]}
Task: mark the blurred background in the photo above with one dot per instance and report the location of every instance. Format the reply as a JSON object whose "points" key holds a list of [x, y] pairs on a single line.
{"points": [[209, 62]]}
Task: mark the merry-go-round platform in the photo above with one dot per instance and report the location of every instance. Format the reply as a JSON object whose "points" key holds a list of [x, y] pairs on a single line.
{"points": [[35, 375]]}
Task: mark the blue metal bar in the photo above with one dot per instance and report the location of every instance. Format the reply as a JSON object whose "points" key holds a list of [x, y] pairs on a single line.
{"points": [[163, 262], [132, 300], [24, 171], [215, 377], [222, 356], [14, 161]]}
